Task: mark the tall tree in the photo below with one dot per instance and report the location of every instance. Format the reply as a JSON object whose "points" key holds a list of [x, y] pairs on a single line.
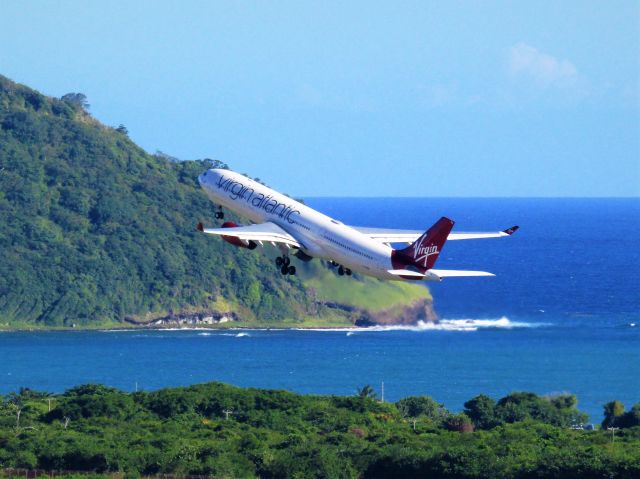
{"points": [[77, 99], [481, 410], [366, 391], [612, 411]]}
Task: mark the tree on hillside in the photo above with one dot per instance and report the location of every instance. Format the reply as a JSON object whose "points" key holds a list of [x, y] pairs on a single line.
{"points": [[458, 422], [615, 415], [481, 410], [217, 164], [166, 156], [422, 407], [557, 410], [77, 99], [28, 393], [630, 418], [366, 391], [612, 411]]}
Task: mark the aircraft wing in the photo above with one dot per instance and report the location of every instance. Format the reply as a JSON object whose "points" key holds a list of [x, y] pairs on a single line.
{"points": [[263, 232], [454, 273], [409, 236]]}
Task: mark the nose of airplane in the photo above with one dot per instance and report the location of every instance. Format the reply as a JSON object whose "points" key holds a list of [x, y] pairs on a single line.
{"points": [[201, 177]]}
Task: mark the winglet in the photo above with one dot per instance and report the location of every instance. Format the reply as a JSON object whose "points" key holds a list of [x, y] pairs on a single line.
{"points": [[200, 227], [511, 230]]}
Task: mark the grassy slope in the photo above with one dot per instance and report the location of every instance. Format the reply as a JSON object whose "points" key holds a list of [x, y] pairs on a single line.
{"points": [[364, 293]]}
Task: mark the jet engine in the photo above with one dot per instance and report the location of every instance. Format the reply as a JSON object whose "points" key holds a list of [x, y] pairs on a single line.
{"points": [[235, 241], [301, 255]]}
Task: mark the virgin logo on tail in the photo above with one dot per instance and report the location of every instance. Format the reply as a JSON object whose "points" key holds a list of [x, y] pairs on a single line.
{"points": [[424, 252], [421, 254]]}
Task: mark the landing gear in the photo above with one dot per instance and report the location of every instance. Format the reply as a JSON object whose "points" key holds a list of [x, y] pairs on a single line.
{"points": [[219, 214], [288, 270], [342, 271], [284, 263]]}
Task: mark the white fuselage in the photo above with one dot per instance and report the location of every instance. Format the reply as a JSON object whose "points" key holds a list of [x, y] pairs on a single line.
{"points": [[319, 235]]}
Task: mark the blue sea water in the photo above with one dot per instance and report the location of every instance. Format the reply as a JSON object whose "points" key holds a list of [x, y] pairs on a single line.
{"points": [[562, 315]]}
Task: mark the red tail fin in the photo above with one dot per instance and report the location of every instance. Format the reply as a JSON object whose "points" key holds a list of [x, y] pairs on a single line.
{"points": [[423, 253]]}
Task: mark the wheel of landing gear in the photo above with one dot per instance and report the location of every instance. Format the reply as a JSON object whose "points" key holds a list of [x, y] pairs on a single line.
{"points": [[340, 270], [284, 270], [348, 271], [292, 270], [279, 261], [219, 215], [287, 261]]}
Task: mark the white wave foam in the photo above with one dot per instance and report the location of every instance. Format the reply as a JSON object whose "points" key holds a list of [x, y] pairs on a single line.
{"points": [[463, 324], [475, 324], [442, 325]]}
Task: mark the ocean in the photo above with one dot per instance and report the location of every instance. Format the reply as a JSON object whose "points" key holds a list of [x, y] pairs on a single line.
{"points": [[562, 315]]}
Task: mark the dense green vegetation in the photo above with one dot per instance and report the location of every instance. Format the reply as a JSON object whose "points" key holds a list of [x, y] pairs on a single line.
{"points": [[224, 431], [616, 417], [94, 230]]}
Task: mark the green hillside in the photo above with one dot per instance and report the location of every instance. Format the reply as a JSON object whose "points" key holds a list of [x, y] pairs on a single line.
{"points": [[94, 231]]}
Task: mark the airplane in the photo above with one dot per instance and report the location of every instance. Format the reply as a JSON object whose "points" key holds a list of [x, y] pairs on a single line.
{"points": [[295, 227]]}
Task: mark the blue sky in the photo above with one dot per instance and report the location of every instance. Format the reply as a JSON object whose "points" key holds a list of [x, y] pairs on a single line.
{"points": [[357, 98]]}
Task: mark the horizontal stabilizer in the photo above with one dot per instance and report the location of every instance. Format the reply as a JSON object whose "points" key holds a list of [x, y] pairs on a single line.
{"points": [[454, 273], [406, 272], [436, 274]]}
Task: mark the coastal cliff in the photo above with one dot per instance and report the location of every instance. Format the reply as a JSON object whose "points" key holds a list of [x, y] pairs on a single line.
{"points": [[403, 315]]}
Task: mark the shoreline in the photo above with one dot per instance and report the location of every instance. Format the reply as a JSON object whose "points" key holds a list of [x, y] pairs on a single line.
{"points": [[461, 325], [338, 317], [205, 328]]}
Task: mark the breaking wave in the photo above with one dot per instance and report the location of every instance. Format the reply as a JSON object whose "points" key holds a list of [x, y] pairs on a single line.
{"points": [[233, 333], [475, 324], [444, 325], [463, 324]]}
